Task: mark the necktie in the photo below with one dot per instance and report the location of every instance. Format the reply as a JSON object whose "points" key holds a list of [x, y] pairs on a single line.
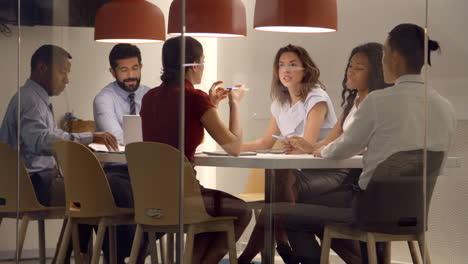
{"points": [[132, 103], [51, 109]]}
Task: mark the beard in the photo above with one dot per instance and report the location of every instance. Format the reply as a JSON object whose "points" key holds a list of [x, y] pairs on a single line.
{"points": [[129, 87]]}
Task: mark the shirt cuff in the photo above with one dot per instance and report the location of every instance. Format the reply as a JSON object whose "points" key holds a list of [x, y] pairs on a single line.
{"points": [[85, 138], [325, 153]]}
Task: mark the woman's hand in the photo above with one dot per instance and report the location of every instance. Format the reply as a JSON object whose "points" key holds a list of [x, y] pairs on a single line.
{"points": [[217, 94], [318, 152], [237, 93], [301, 145]]}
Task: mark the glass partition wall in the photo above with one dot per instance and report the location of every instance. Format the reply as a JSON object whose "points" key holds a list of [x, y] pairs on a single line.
{"points": [[340, 59]]}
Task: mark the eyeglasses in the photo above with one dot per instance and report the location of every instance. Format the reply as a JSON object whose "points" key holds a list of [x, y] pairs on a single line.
{"points": [[290, 68]]}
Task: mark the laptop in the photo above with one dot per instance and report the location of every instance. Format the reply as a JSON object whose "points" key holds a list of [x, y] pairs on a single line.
{"points": [[132, 129]]}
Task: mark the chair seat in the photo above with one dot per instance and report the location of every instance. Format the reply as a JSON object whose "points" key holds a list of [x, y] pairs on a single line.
{"points": [[56, 212], [344, 231], [252, 197], [116, 211]]}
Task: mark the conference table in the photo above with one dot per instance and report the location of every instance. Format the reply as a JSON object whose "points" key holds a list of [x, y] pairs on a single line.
{"points": [[269, 162]]}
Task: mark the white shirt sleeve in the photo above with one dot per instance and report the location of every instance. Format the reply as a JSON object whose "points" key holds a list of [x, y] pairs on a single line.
{"points": [[105, 117], [357, 136], [311, 101]]}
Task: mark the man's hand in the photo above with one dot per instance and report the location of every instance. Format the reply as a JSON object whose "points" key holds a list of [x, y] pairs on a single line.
{"points": [[217, 94], [107, 139]]}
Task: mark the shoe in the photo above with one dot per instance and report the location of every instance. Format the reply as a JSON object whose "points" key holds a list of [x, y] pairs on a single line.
{"points": [[286, 253]]}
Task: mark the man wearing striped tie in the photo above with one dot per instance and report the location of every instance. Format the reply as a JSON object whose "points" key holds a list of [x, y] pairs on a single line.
{"points": [[119, 98], [123, 96]]}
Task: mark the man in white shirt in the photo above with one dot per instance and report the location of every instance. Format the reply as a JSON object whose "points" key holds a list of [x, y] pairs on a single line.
{"points": [[388, 121], [123, 96]]}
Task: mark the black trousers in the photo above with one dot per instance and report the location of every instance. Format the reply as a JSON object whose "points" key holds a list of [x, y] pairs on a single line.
{"points": [[324, 196]]}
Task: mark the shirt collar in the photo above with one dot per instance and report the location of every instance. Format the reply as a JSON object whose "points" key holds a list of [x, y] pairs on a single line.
{"points": [[413, 78], [122, 93], [38, 89]]}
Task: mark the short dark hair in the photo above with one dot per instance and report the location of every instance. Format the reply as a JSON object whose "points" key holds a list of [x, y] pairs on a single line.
{"points": [[373, 51], [408, 40], [123, 51], [171, 56], [48, 54]]}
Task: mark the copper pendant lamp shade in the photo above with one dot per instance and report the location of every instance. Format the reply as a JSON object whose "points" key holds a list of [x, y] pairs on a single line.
{"points": [[297, 16], [129, 21], [209, 18]]}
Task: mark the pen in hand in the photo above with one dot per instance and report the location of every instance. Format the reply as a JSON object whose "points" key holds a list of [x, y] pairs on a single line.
{"points": [[236, 88]]}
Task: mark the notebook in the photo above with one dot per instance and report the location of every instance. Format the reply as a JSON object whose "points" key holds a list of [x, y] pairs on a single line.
{"points": [[132, 129]]}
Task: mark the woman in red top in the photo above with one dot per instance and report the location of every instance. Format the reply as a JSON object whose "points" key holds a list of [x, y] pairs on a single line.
{"points": [[159, 115]]}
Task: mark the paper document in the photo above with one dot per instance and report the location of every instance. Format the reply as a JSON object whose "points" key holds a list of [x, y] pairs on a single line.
{"points": [[103, 148], [223, 153]]}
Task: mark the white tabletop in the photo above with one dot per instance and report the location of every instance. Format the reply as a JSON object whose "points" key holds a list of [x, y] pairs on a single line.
{"points": [[268, 161]]}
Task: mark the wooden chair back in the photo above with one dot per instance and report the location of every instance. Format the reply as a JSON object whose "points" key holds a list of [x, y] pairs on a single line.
{"points": [[393, 201], [15, 178], [154, 175], [87, 190]]}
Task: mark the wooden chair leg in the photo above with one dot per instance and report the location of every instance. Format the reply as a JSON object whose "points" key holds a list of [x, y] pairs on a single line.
{"points": [[136, 245], [22, 235], [152, 248], [112, 229], [41, 230], [413, 252], [423, 248], [163, 248], [256, 214], [76, 244], [188, 252], [170, 248], [387, 253], [98, 244], [59, 242], [326, 243], [371, 249], [231, 237], [65, 240]]}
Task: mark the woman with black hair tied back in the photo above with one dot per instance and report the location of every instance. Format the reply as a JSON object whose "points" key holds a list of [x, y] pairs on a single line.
{"points": [[387, 121]]}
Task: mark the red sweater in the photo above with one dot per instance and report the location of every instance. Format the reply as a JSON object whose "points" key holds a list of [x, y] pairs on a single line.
{"points": [[160, 115]]}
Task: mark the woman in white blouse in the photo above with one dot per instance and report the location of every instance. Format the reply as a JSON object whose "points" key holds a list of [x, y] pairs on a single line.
{"points": [[300, 107]]}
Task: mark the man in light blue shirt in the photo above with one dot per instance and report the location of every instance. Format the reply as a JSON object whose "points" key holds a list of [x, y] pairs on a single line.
{"points": [[123, 96]]}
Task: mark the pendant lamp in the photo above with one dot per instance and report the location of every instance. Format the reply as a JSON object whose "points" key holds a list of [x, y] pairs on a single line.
{"points": [[129, 21], [296, 16], [209, 18]]}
